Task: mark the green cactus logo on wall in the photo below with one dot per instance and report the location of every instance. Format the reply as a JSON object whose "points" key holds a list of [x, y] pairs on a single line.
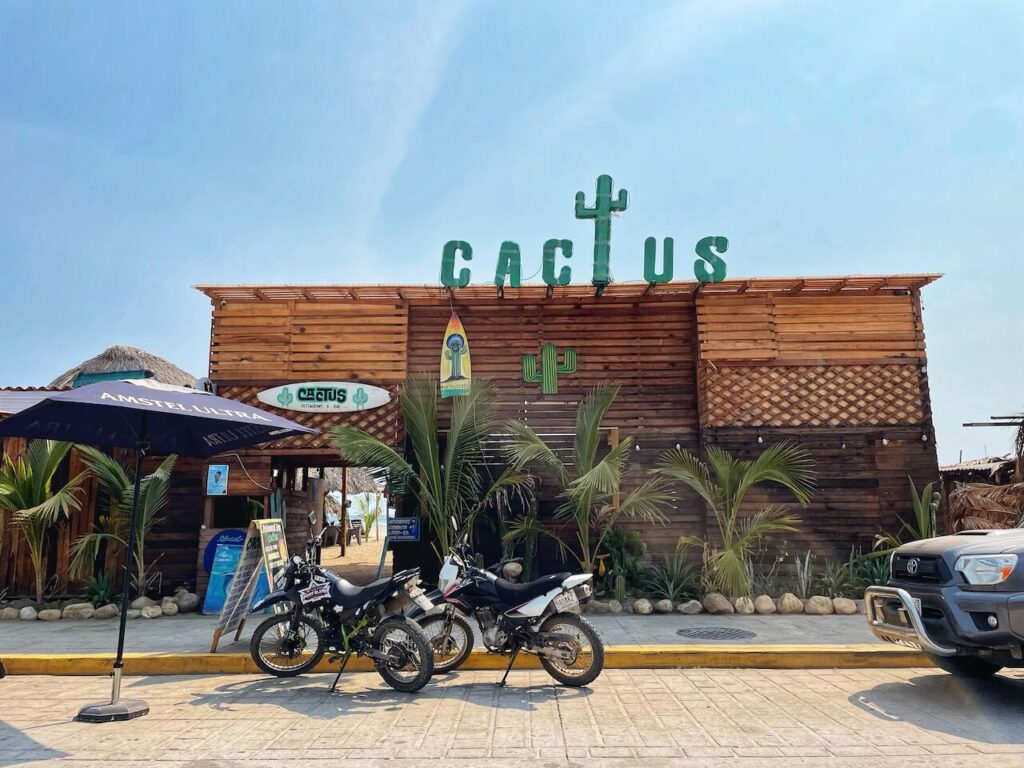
{"points": [[360, 398], [550, 368], [285, 397]]}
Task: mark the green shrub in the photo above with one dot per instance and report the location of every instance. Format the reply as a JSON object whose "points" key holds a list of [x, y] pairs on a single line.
{"points": [[675, 579], [99, 590], [840, 580]]}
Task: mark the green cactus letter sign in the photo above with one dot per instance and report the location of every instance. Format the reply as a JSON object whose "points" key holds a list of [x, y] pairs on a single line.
{"points": [[601, 212], [550, 368], [606, 202]]}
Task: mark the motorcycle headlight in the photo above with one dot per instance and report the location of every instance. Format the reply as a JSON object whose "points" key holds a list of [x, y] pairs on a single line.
{"points": [[986, 569]]}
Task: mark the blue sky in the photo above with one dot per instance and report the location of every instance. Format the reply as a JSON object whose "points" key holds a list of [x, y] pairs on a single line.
{"points": [[148, 147]]}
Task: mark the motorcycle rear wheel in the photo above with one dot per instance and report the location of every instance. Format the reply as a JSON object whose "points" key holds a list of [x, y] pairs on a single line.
{"points": [[415, 664], [277, 652], [589, 661], [452, 648]]}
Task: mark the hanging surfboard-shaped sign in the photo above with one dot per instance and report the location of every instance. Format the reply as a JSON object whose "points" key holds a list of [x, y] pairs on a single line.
{"points": [[456, 372]]}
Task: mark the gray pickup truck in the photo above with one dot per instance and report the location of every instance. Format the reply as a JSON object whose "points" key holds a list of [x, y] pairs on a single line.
{"points": [[959, 599]]}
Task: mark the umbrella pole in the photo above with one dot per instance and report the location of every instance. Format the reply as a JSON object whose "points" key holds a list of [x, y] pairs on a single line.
{"points": [[128, 709]]}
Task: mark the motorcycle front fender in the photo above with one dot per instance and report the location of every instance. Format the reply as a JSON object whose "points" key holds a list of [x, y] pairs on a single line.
{"points": [[280, 596]]}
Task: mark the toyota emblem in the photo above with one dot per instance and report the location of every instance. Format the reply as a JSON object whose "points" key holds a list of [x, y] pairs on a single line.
{"points": [[912, 566]]}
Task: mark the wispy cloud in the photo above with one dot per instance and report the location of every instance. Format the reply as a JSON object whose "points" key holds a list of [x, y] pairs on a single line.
{"points": [[409, 71]]}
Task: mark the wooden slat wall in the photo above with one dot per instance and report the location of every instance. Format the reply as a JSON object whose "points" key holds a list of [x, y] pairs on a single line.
{"points": [[737, 329], [308, 340], [647, 345]]}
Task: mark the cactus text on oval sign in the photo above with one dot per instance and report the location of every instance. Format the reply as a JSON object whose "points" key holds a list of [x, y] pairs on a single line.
{"points": [[709, 267], [332, 396]]}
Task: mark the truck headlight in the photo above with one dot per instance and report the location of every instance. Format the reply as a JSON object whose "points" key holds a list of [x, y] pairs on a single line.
{"points": [[986, 569]]}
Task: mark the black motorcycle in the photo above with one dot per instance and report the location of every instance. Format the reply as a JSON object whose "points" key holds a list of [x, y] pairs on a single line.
{"points": [[539, 617], [323, 613]]}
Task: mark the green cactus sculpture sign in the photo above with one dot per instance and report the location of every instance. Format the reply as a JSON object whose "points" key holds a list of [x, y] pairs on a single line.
{"points": [[708, 267], [550, 369]]}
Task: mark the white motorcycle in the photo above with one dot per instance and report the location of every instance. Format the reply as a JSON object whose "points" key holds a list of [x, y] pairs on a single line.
{"points": [[540, 617]]}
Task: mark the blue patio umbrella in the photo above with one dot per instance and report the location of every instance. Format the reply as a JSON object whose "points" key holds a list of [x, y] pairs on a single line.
{"points": [[151, 418]]}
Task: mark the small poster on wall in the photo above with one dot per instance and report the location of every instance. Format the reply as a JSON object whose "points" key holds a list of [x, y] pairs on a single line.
{"points": [[217, 480]]}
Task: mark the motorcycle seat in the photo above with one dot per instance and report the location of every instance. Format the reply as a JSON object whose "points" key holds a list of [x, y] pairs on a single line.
{"points": [[516, 594], [348, 594]]}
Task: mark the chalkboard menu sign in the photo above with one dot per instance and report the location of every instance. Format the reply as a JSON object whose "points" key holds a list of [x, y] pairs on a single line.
{"points": [[264, 546]]}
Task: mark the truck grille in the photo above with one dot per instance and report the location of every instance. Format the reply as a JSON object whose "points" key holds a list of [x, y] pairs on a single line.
{"points": [[929, 569]]}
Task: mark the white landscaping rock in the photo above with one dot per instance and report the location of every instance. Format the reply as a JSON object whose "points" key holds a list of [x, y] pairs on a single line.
{"points": [[78, 611], [187, 601], [860, 605], [28, 613], [663, 606], [50, 614], [142, 602], [819, 605], [614, 606], [643, 607], [844, 606], [789, 603], [743, 605], [764, 605], [134, 613], [598, 606], [151, 612], [715, 602], [10, 614], [168, 607], [690, 608], [108, 611]]}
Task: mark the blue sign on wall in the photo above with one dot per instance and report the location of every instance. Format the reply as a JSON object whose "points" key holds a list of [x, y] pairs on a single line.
{"points": [[230, 536], [404, 529]]}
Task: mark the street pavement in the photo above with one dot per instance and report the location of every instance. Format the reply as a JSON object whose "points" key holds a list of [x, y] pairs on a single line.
{"points": [[193, 632], [659, 718]]}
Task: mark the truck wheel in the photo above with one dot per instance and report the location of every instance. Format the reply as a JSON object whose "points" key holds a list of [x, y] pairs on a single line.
{"points": [[968, 667]]}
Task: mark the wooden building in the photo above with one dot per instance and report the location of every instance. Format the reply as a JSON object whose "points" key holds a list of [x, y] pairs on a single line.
{"points": [[837, 364]]}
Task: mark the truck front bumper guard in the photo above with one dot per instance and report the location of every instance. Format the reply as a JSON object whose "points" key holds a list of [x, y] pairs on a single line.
{"points": [[912, 633]]}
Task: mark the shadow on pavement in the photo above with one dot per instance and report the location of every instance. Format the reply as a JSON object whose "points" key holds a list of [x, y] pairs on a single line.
{"points": [[311, 697], [989, 711], [17, 748]]}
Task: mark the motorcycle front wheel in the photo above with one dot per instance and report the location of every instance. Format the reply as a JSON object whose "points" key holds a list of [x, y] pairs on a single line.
{"points": [[451, 643], [412, 661], [585, 648], [284, 650]]}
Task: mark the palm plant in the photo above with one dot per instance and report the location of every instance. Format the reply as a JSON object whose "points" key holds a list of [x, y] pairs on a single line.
{"points": [[446, 480], [589, 485], [723, 483], [925, 504], [675, 578], [112, 524], [369, 513], [26, 490]]}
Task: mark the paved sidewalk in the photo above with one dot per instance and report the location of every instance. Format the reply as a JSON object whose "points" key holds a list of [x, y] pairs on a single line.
{"points": [[193, 633], [629, 717]]}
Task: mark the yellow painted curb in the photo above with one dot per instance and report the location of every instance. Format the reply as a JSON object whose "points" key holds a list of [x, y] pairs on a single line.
{"points": [[616, 657]]}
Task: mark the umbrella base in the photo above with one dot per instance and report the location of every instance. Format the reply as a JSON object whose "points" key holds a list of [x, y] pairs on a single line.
{"points": [[105, 712]]}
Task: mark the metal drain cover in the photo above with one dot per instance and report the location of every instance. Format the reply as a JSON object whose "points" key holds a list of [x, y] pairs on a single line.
{"points": [[716, 633]]}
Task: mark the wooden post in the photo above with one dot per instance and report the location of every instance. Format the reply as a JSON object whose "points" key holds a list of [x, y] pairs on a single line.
{"points": [[613, 442], [343, 538]]}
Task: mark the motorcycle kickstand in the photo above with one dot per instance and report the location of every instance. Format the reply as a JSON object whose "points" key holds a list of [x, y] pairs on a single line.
{"points": [[337, 677], [515, 652]]}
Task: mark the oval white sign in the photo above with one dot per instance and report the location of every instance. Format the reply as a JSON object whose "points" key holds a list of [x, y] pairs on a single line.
{"points": [[330, 396]]}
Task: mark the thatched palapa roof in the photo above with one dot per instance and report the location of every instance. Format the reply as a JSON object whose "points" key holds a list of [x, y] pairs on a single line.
{"points": [[118, 359]]}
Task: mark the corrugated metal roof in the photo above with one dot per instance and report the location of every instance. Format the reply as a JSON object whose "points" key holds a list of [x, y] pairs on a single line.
{"points": [[990, 464], [14, 399]]}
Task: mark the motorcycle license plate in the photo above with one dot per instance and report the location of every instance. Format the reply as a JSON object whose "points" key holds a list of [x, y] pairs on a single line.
{"points": [[565, 601]]}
